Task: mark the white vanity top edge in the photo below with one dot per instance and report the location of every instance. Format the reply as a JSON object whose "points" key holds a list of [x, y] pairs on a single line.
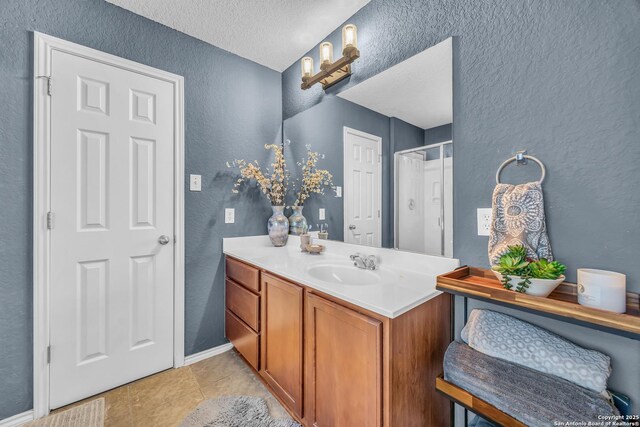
{"points": [[404, 279]]}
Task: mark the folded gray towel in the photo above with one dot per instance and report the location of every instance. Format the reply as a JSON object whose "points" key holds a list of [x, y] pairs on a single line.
{"points": [[505, 337], [534, 398]]}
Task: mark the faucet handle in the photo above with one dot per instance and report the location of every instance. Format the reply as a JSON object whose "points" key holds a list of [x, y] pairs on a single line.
{"points": [[372, 262]]}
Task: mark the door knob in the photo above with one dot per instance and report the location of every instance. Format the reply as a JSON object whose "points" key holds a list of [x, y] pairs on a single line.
{"points": [[163, 240], [352, 227]]}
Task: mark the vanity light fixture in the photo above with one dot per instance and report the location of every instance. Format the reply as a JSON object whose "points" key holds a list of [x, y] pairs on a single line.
{"points": [[332, 72]]}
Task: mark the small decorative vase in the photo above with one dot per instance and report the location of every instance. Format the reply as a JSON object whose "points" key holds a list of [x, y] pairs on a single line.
{"points": [[537, 287], [297, 221], [278, 227]]}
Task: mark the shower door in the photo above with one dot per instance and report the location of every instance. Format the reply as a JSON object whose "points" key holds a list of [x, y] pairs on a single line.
{"points": [[424, 200]]}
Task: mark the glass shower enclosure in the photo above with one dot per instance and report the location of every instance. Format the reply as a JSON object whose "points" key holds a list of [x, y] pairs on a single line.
{"points": [[423, 193]]}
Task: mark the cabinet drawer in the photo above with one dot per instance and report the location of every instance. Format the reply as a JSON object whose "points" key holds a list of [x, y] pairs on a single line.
{"points": [[243, 338], [243, 274], [244, 304]]}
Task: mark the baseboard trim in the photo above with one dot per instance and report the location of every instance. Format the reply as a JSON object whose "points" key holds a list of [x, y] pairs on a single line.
{"points": [[17, 420], [191, 359]]}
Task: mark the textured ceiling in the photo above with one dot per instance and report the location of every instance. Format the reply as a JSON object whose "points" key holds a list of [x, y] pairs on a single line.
{"points": [[418, 90], [274, 33]]}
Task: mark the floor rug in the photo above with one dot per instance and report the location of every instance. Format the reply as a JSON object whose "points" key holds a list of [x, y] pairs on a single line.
{"points": [[90, 414], [232, 411]]}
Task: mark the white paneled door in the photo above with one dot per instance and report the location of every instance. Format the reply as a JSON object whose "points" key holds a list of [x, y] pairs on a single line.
{"points": [[112, 243], [362, 188]]}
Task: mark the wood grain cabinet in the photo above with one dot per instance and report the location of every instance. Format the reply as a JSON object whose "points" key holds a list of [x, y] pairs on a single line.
{"points": [[282, 346], [334, 364], [364, 369], [344, 366]]}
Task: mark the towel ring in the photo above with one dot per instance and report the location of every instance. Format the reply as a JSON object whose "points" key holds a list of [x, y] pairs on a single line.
{"points": [[518, 158]]}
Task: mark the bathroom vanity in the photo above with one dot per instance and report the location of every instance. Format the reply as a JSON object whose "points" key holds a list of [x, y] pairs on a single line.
{"points": [[338, 345]]}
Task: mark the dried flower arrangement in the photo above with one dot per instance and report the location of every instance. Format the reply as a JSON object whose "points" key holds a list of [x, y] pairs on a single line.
{"points": [[272, 182], [313, 180]]}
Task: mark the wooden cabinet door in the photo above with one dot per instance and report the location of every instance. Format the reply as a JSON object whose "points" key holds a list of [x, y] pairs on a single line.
{"points": [[282, 346], [343, 385]]}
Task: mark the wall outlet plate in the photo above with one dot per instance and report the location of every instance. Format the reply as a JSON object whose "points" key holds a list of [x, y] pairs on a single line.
{"points": [[484, 221], [338, 191], [321, 214], [195, 182], [229, 215]]}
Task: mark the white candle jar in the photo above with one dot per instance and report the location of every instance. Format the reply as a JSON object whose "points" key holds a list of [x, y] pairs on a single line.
{"points": [[606, 290]]}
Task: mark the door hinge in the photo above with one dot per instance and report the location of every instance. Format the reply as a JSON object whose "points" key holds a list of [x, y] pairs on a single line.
{"points": [[49, 84], [48, 354], [50, 221]]}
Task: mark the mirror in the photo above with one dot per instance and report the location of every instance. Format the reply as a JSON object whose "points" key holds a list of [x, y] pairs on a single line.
{"points": [[387, 141]]}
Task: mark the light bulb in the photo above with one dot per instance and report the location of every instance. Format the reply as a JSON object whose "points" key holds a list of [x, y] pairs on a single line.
{"points": [[326, 53], [307, 66], [349, 37]]}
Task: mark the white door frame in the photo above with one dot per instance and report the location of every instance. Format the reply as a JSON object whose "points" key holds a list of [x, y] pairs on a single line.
{"points": [[348, 130], [44, 46]]}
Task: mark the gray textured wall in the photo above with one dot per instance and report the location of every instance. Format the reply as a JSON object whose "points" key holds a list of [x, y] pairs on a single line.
{"points": [[232, 107], [558, 78], [438, 134]]}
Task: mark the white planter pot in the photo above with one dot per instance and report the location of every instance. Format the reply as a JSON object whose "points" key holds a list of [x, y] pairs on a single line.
{"points": [[537, 287]]}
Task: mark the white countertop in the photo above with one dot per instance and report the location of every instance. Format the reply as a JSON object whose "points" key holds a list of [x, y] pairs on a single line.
{"points": [[406, 279]]}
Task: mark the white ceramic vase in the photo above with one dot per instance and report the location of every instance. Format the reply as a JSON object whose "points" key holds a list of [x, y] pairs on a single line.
{"points": [[537, 287]]}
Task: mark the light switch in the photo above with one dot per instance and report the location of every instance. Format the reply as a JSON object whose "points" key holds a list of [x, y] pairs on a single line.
{"points": [[321, 214], [229, 216], [338, 191], [195, 182]]}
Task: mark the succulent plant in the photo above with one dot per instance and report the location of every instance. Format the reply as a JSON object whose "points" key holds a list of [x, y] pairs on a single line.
{"points": [[513, 262], [544, 269], [518, 251], [516, 263]]}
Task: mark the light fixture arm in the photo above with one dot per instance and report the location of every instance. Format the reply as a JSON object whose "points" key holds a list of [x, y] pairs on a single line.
{"points": [[331, 74]]}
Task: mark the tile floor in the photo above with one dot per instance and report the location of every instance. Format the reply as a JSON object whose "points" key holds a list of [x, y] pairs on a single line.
{"points": [[164, 399]]}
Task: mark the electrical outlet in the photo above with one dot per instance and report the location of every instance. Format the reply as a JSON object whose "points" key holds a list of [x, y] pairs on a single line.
{"points": [[229, 216], [195, 182], [338, 191], [484, 221], [321, 214]]}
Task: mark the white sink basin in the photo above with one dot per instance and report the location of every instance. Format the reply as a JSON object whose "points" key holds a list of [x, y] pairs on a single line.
{"points": [[345, 275]]}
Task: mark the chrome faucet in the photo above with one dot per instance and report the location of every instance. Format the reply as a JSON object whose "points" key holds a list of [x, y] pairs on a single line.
{"points": [[366, 262]]}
